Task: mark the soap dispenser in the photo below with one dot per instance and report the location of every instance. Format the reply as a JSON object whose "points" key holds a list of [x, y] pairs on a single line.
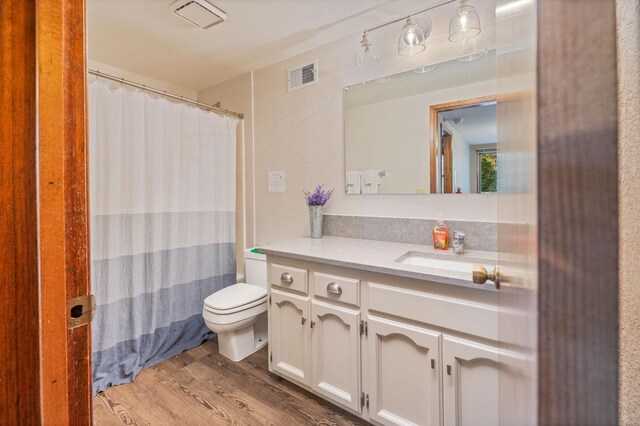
{"points": [[441, 235]]}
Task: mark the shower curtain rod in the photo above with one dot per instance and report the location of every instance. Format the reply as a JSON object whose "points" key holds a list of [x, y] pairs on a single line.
{"points": [[166, 94]]}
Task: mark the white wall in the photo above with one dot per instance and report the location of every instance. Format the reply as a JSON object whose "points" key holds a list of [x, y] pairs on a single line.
{"points": [[301, 133], [394, 136], [236, 95]]}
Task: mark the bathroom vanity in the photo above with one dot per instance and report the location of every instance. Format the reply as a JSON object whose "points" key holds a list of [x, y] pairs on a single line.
{"points": [[373, 327]]}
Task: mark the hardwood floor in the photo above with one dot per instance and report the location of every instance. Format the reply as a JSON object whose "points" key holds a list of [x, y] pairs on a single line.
{"points": [[201, 387]]}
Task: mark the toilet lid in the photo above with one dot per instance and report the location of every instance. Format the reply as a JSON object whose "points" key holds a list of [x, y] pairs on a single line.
{"points": [[235, 296]]}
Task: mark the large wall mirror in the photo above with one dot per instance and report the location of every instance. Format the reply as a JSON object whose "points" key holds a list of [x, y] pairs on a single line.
{"points": [[425, 131]]}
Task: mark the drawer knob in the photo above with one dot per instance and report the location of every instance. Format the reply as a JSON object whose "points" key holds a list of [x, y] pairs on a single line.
{"points": [[334, 288], [286, 278]]}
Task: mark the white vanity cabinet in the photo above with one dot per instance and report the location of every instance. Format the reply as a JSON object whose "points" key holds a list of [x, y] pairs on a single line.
{"points": [[289, 336], [470, 385], [404, 373], [392, 350], [316, 342], [335, 353]]}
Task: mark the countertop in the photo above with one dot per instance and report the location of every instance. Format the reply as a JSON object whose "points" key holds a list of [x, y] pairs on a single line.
{"points": [[380, 256]]}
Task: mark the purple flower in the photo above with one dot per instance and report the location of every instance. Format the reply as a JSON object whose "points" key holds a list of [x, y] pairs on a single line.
{"points": [[319, 197]]}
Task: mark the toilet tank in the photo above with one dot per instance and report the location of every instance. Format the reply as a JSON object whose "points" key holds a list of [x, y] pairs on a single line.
{"points": [[255, 268]]}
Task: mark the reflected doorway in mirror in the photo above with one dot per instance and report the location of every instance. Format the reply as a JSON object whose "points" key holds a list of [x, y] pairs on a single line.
{"points": [[463, 147]]}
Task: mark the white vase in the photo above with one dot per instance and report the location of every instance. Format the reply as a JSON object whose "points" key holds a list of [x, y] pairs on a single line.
{"points": [[315, 219]]}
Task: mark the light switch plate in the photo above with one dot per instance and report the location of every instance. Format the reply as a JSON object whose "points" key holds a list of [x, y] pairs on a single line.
{"points": [[276, 181]]}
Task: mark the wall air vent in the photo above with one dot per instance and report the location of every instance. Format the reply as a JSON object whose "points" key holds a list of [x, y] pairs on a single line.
{"points": [[303, 76], [200, 13]]}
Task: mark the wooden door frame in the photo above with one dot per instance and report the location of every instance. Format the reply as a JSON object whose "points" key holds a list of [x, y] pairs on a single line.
{"points": [[434, 131], [47, 226], [19, 292], [447, 162], [44, 150]]}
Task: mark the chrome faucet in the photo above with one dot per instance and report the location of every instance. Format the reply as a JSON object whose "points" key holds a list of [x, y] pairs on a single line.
{"points": [[458, 242]]}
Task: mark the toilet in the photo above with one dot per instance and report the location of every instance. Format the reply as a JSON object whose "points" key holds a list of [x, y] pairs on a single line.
{"points": [[238, 313]]}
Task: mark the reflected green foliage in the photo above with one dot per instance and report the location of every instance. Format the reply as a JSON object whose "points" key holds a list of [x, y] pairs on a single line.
{"points": [[488, 173]]}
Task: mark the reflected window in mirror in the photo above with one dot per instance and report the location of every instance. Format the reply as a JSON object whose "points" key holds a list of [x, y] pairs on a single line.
{"points": [[487, 163]]}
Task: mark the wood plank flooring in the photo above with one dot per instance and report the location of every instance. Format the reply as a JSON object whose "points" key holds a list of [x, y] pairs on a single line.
{"points": [[201, 387]]}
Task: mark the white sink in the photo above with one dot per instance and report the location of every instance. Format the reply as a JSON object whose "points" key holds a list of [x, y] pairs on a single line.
{"points": [[446, 262]]}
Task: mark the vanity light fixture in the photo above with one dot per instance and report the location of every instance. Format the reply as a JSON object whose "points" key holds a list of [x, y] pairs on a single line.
{"points": [[465, 24], [367, 55], [412, 38]]}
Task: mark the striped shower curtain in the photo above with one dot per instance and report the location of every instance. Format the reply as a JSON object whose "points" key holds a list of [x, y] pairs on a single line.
{"points": [[162, 180]]}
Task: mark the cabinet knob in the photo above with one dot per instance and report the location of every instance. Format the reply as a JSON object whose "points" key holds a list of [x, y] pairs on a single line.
{"points": [[286, 278], [481, 275], [334, 288]]}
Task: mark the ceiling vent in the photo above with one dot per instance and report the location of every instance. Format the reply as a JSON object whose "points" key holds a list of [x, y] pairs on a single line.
{"points": [[200, 13], [303, 76]]}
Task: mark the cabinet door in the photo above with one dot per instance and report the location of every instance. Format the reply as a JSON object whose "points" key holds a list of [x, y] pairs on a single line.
{"points": [[289, 339], [335, 353], [404, 365], [470, 383]]}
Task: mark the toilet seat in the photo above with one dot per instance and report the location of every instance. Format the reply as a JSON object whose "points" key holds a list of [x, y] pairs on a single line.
{"points": [[235, 298]]}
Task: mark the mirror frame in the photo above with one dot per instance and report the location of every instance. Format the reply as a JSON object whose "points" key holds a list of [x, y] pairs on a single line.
{"points": [[433, 130]]}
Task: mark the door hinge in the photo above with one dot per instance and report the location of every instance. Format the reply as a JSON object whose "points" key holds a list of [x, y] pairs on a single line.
{"points": [[364, 400], [81, 310], [270, 356], [362, 334], [269, 300], [364, 328]]}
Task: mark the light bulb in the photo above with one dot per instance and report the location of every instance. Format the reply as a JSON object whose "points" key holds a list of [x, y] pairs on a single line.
{"points": [[411, 39], [465, 24]]}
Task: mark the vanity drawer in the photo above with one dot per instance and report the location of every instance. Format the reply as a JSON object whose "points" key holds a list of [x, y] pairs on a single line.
{"points": [[346, 290], [289, 278], [466, 316]]}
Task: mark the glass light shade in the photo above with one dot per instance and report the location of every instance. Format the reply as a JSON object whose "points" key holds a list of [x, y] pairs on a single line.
{"points": [[367, 55], [465, 24], [425, 24], [412, 37]]}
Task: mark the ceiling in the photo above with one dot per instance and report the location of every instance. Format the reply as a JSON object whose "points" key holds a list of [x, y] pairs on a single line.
{"points": [[478, 125], [143, 36]]}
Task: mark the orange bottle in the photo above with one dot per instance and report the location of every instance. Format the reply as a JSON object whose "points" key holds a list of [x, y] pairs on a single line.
{"points": [[441, 235]]}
